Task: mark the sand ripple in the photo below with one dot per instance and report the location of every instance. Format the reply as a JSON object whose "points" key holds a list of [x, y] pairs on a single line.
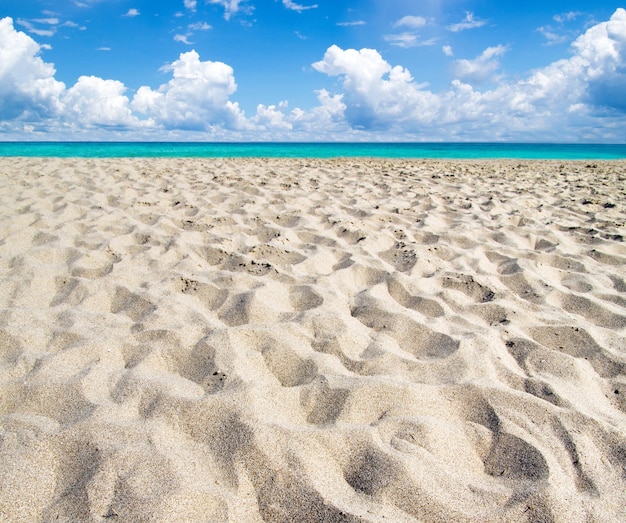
{"points": [[307, 340]]}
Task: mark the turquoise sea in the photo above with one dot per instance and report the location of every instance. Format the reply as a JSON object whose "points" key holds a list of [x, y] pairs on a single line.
{"points": [[315, 150]]}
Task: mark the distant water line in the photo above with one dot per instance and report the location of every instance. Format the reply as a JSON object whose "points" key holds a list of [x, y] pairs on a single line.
{"points": [[526, 151]]}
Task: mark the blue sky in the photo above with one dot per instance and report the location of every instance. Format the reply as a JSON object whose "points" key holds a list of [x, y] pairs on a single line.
{"points": [[452, 70]]}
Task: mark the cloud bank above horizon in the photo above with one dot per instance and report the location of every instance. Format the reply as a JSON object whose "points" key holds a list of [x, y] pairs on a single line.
{"points": [[577, 98]]}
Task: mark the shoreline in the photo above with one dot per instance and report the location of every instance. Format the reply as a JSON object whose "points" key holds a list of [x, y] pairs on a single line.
{"points": [[283, 339]]}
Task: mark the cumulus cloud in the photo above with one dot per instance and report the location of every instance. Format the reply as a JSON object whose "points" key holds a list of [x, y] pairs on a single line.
{"points": [[132, 13], [582, 94], [92, 101], [482, 68], [470, 22], [580, 97], [196, 98], [28, 89], [376, 95], [272, 116], [602, 50], [190, 4], [447, 50]]}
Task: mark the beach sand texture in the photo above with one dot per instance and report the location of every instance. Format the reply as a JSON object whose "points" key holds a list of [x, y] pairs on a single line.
{"points": [[312, 340]]}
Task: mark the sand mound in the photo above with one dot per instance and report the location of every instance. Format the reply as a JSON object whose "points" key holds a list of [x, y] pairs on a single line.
{"points": [[307, 340]]}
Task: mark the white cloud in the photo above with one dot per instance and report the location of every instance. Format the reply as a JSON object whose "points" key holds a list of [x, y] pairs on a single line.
{"points": [[190, 4], [272, 116], [447, 50], [376, 95], [414, 22], [92, 101], [406, 40], [352, 24], [403, 39], [200, 26], [47, 21], [559, 34], [482, 68], [581, 96], [183, 39], [552, 36], [603, 52], [289, 4], [132, 13], [470, 22], [31, 28], [28, 89], [567, 17], [231, 7], [197, 97]]}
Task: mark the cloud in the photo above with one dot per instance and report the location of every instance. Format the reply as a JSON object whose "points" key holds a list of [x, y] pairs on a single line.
{"points": [[132, 13], [414, 22], [196, 98], [272, 116], [200, 26], [190, 4], [470, 22], [566, 17], [559, 34], [183, 39], [289, 4], [601, 62], [28, 89], [376, 95], [447, 50], [403, 39], [231, 7], [406, 40], [352, 24], [92, 101], [552, 36], [581, 96], [31, 28], [482, 68], [576, 98], [45, 26]]}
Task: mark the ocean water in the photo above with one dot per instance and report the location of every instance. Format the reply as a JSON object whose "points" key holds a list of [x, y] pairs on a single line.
{"points": [[315, 150]]}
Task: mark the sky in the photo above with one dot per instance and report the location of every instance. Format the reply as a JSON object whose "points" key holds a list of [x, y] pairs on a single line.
{"points": [[319, 70]]}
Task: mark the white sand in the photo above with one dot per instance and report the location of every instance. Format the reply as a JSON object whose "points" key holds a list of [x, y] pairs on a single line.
{"points": [[302, 340]]}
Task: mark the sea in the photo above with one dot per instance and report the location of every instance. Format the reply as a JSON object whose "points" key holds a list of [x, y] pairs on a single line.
{"points": [[528, 151]]}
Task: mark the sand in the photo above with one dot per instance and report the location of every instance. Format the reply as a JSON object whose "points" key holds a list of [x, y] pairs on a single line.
{"points": [[312, 340]]}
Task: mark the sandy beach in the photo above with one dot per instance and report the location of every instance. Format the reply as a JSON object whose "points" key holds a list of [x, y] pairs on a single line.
{"points": [[216, 340]]}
